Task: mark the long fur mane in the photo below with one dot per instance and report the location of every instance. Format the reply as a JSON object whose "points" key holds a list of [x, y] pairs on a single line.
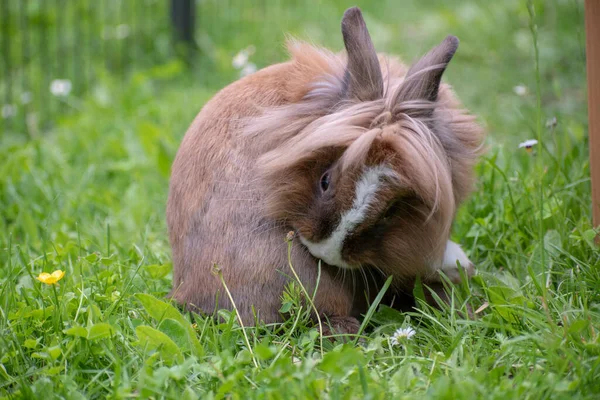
{"points": [[441, 140]]}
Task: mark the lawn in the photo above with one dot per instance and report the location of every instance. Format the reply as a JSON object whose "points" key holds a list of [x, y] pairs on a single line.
{"points": [[87, 196]]}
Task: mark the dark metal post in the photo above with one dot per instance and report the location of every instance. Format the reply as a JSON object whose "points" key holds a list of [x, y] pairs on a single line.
{"points": [[182, 18]]}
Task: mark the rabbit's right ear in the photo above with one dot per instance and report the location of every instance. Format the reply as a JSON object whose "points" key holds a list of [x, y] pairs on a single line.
{"points": [[362, 79], [423, 79]]}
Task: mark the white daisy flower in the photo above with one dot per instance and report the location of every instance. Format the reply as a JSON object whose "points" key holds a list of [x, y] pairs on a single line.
{"points": [[8, 110], [122, 31], [402, 333], [240, 60], [25, 98], [60, 87], [248, 69], [520, 90], [528, 144]]}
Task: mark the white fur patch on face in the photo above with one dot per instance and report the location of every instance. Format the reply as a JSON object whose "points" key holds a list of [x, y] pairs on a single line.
{"points": [[330, 249]]}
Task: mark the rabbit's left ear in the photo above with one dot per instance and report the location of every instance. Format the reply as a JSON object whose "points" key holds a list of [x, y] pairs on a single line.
{"points": [[422, 80], [362, 79]]}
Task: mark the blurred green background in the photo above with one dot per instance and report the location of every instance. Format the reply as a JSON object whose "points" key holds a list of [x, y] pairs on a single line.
{"points": [[86, 41]]}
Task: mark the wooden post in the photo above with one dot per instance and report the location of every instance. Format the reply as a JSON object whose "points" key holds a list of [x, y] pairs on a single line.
{"points": [[592, 43]]}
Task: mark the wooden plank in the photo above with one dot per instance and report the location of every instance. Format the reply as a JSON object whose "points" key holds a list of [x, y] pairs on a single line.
{"points": [[592, 42]]}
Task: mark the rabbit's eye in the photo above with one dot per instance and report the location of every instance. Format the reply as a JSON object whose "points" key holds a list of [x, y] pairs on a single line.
{"points": [[325, 182]]}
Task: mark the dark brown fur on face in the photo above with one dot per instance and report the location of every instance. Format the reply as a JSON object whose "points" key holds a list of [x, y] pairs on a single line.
{"points": [[251, 167]]}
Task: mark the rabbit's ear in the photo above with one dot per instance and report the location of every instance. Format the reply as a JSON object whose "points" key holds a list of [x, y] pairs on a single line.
{"points": [[422, 80], [362, 79]]}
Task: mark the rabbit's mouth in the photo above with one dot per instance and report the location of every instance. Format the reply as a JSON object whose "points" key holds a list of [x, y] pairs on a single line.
{"points": [[329, 251]]}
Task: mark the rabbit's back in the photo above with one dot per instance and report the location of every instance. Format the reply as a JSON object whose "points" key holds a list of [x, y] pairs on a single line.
{"points": [[212, 152], [211, 199], [213, 211]]}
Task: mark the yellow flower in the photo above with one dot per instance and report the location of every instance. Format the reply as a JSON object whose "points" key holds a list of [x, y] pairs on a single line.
{"points": [[52, 278]]}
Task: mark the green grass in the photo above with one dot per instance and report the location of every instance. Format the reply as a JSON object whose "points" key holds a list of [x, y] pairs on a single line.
{"points": [[88, 197]]}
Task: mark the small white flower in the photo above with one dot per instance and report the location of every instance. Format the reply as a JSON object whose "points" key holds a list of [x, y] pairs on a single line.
{"points": [[528, 144], [248, 69], [8, 110], [520, 90], [122, 31], [402, 333], [551, 123], [60, 87], [240, 60], [25, 98]]}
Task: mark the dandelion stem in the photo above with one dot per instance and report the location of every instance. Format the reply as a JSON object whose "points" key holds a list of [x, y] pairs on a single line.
{"points": [[308, 298], [58, 310], [538, 128]]}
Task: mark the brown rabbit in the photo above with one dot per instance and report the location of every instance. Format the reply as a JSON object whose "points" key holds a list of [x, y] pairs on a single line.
{"points": [[364, 159]]}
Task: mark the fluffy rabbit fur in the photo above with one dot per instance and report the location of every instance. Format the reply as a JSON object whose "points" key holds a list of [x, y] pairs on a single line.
{"points": [[366, 160]]}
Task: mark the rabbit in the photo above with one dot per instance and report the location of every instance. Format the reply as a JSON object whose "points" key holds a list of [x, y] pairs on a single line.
{"points": [[364, 159]]}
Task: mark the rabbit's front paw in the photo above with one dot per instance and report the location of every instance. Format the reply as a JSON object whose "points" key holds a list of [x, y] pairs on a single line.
{"points": [[454, 258], [340, 326]]}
